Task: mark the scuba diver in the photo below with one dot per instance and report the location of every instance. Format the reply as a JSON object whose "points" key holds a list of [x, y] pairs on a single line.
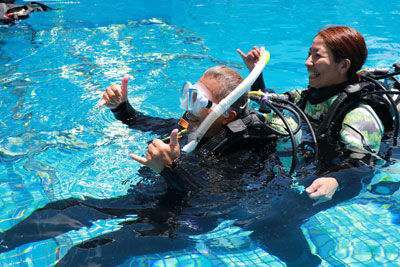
{"points": [[237, 150], [10, 12], [238, 129], [351, 112], [232, 165]]}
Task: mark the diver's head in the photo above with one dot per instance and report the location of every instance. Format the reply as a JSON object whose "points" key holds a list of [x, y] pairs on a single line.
{"points": [[336, 54], [199, 99]]}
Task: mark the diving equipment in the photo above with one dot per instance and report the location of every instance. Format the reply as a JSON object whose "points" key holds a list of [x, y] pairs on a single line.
{"points": [[224, 105]]}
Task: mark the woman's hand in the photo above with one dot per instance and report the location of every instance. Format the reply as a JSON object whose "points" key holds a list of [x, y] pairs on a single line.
{"points": [[160, 154], [322, 189], [115, 94], [252, 57]]}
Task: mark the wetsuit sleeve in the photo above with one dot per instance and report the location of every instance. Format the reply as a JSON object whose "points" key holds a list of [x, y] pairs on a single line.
{"points": [[352, 176], [125, 113], [137, 120], [362, 129], [294, 96], [184, 176], [259, 84]]}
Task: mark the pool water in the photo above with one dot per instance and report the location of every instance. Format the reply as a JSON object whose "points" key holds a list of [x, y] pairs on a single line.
{"points": [[57, 144]]}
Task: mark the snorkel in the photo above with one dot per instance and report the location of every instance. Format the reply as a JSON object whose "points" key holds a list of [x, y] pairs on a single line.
{"points": [[225, 103]]}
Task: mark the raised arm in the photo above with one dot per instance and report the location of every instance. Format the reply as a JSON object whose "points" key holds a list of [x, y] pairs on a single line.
{"points": [[165, 159], [251, 59], [116, 98], [115, 94], [159, 154]]}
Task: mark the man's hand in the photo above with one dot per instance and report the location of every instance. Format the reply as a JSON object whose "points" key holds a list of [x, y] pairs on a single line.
{"points": [[252, 57], [160, 154], [115, 94], [322, 189]]}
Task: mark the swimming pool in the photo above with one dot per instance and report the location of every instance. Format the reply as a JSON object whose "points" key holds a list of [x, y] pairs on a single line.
{"points": [[56, 143]]}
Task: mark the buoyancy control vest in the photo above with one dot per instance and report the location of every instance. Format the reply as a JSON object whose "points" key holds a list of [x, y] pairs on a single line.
{"points": [[9, 12], [381, 96], [250, 126]]}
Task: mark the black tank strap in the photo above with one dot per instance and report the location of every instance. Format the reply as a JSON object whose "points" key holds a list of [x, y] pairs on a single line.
{"points": [[304, 98], [219, 140], [343, 103], [214, 143], [332, 111]]}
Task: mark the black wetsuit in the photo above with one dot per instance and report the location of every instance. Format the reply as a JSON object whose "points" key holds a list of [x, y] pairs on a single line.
{"points": [[236, 183], [246, 137], [223, 170], [279, 232], [277, 228]]}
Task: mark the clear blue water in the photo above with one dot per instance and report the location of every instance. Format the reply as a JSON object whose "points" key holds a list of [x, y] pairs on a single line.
{"points": [[56, 143]]}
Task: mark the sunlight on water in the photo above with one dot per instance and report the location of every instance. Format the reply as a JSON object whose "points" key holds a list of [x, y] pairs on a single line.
{"points": [[57, 144]]}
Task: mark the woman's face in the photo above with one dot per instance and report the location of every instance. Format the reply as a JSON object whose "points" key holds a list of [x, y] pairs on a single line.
{"points": [[322, 68]]}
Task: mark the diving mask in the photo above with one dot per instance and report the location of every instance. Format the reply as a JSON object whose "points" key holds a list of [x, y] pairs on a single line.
{"points": [[193, 98]]}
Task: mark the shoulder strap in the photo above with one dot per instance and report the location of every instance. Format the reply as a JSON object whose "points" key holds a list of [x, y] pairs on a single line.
{"points": [[304, 98], [239, 130], [332, 111], [215, 142], [342, 104]]}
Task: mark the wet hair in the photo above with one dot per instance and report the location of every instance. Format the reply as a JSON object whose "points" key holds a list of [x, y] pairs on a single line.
{"points": [[229, 79], [345, 42]]}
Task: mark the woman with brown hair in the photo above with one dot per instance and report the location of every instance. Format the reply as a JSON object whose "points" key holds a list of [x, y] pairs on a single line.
{"points": [[334, 59]]}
